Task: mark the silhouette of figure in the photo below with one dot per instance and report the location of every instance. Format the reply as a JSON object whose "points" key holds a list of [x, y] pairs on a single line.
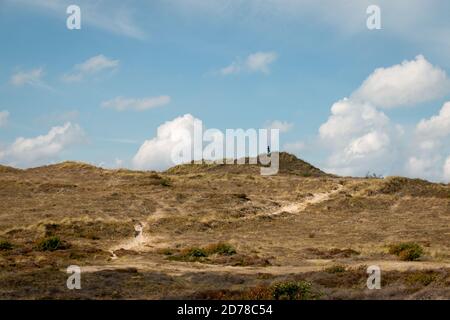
{"points": [[268, 150]]}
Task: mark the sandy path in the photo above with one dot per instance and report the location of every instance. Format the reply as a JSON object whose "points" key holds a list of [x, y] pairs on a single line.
{"points": [[179, 268], [142, 243], [301, 206], [135, 244]]}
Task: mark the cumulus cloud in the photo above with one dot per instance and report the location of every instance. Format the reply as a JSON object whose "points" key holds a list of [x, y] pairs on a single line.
{"points": [[25, 152], [405, 84], [437, 126], [425, 165], [156, 153], [255, 62], [4, 115], [359, 137], [349, 118], [283, 126], [367, 144], [91, 66], [122, 104], [447, 169], [32, 78]]}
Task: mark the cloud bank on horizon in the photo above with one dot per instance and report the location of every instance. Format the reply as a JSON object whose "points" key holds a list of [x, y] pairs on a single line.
{"points": [[362, 138], [128, 81], [358, 136]]}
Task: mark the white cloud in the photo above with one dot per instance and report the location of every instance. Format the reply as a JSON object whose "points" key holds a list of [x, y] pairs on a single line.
{"points": [[349, 118], [437, 126], [90, 67], [156, 153], [405, 84], [283, 126], [4, 115], [367, 144], [255, 62], [447, 169], [233, 68], [121, 103], [32, 77], [260, 61], [425, 166], [25, 152], [359, 138]]}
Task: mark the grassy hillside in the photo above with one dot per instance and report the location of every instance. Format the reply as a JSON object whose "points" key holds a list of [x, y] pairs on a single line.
{"points": [[220, 231]]}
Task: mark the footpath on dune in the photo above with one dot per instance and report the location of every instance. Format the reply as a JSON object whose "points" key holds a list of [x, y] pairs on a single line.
{"points": [[142, 243]]}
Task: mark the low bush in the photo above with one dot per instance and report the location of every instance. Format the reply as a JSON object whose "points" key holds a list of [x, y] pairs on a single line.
{"points": [[51, 244], [407, 251], [195, 253], [220, 248], [5, 245], [292, 290], [200, 254], [423, 278], [335, 269]]}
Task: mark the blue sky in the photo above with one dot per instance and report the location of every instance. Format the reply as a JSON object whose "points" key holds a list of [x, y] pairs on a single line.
{"points": [[170, 57]]}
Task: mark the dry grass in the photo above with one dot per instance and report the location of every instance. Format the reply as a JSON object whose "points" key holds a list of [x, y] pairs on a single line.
{"points": [[207, 206]]}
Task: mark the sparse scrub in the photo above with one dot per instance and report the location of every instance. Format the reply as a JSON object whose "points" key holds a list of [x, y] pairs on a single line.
{"points": [[51, 244], [189, 254], [220, 248], [258, 293], [200, 254], [165, 182], [423, 278], [393, 185], [5, 245], [195, 253], [407, 251], [336, 269], [293, 290]]}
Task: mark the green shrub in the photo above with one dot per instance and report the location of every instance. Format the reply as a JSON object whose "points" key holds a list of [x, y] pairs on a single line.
{"points": [[51, 244], [220, 248], [196, 253], [407, 251], [199, 254], [292, 290], [335, 269], [189, 254], [5, 245], [423, 278], [165, 182]]}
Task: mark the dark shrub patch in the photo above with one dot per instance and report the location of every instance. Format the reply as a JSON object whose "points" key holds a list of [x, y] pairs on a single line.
{"points": [[5, 245], [407, 251], [335, 269], [51, 244], [220, 248], [299, 290]]}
